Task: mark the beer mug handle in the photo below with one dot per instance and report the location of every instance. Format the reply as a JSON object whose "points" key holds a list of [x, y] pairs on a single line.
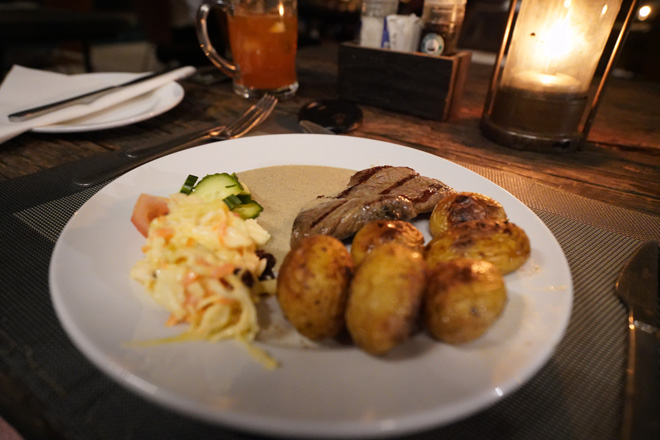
{"points": [[227, 67]]}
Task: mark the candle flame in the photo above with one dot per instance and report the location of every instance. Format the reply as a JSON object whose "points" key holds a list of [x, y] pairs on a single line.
{"points": [[557, 41], [281, 10], [557, 50]]}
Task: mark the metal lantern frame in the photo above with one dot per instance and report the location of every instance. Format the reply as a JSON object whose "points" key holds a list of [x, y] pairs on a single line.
{"points": [[548, 141]]}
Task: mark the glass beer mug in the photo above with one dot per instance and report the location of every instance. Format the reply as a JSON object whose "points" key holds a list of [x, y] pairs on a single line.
{"points": [[263, 38]]}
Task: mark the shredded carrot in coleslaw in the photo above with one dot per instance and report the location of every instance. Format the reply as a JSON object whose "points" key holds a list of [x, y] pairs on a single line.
{"points": [[195, 260]]}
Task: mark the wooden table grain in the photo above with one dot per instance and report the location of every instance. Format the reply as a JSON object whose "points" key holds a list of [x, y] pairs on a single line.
{"points": [[620, 163]]}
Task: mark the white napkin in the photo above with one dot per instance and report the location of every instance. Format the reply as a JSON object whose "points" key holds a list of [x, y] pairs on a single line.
{"points": [[25, 88], [404, 32]]}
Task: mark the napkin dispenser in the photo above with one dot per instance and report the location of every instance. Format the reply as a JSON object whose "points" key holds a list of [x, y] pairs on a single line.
{"points": [[413, 83]]}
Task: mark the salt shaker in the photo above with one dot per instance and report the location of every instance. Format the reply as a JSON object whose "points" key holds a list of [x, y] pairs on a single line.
{"points": [[373, 19], [441, 26]]}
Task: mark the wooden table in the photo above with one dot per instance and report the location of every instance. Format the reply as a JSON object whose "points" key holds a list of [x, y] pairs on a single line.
{"points": [[620, 164]]}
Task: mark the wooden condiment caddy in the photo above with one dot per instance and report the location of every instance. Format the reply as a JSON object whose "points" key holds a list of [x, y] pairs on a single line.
{"points": [[406, 82]]}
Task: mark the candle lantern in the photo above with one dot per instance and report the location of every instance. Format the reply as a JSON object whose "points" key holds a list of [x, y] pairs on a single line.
{"points": [[540, 99]]}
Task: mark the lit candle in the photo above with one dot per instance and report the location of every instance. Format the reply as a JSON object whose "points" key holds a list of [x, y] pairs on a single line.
{"points": [[552, 51], [543, 82], [552, 56]]}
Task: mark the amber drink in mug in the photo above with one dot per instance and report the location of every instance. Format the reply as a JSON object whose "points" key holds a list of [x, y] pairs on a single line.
{"points": [[263, 38]]}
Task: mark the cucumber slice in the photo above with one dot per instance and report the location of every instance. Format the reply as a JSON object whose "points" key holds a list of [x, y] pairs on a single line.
{"points": [[189, 184], [248, 210], [226, 187], [232, 201], [218, 186]]}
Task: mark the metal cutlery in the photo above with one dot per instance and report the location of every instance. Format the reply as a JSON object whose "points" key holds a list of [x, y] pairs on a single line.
{"points": [[637, 287], [87, 98], [137, 156], [313, 128]]}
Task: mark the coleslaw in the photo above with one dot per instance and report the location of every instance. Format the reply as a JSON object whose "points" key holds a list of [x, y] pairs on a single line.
{"points": [[201, 263]]}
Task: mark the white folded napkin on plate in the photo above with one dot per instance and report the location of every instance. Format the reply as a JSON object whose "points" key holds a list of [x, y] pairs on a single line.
{"points": [[25, 88]]}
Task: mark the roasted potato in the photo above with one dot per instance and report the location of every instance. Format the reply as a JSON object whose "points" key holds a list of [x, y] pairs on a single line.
{"points": [[312, 286], [463, 299], [385, 296], [462, 207], [379, 232], [500, 242]]}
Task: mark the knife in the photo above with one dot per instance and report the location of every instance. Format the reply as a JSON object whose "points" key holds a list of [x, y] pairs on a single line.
{"points": [[637, 286], [87, 98], [313, 128]]}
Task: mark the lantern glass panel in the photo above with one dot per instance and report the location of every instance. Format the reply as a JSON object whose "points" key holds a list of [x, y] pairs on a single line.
{"points": [[556, 44]]}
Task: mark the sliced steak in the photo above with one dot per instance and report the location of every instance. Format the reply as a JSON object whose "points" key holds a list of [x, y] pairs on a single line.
{"points": [[379, 193]]}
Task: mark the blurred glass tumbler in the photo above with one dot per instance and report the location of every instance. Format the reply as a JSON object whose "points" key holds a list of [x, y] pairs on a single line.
{"points": [[373, 19], [263, 38], [442, 21]]}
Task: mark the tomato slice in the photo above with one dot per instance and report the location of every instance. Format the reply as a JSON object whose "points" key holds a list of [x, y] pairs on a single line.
{"points": [[147, 208]]}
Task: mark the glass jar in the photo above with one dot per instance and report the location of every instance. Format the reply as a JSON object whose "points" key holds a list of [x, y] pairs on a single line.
{"points": [[441, 26]]}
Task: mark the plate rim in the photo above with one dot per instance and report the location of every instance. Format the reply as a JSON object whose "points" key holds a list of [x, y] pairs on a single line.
{"points": [[260, 424]]}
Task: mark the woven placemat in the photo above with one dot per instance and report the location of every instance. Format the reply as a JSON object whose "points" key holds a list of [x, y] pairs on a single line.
{"points": [[576, 395]]}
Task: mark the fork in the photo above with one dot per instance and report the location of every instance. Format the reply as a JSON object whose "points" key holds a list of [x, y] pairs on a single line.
{"points": [[137, 156]]}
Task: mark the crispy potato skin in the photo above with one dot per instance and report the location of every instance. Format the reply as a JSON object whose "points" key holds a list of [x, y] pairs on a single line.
{"points": [[463, 207], [385, 297], [463, 299], [500, 242], [312, 286], [379, 232]]}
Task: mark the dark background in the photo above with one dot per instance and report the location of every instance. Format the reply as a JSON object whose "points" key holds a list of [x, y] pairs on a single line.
{"points": [[32, 31]]}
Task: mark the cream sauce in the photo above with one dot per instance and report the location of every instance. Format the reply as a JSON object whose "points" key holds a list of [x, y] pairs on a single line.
{"points": [[283, 191]]}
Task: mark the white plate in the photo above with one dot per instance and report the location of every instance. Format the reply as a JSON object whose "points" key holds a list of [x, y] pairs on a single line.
{"points": [[321, 392], [138, 109]]}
